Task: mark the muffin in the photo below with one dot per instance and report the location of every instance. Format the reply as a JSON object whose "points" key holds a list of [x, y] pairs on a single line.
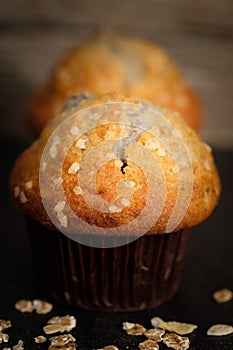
{"points": [[110, 191], [109, 63]]}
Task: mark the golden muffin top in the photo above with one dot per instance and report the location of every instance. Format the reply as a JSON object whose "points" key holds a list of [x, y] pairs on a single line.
{"points": [[116, 165]]}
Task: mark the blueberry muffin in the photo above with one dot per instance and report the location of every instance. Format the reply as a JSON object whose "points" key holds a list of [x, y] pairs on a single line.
{"points": [[111, 189]]}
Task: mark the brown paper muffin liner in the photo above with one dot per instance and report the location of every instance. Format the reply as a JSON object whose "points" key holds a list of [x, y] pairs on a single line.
{"points": [[142, 274]]}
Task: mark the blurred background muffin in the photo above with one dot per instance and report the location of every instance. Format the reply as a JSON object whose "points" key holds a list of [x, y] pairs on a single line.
{"points": [[198, 35], [108, 63]]}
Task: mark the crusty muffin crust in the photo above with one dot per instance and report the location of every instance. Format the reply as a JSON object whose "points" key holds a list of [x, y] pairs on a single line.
{"points": [[119, 168]]}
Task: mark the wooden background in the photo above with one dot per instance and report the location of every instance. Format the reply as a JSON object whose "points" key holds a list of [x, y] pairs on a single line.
{"points": [[198, 33]]}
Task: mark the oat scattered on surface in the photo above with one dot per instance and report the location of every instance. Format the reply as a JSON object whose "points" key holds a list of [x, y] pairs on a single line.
{"points": [[60, 324], [19, 345], [173, 326], [52, 328], [133, 328], [4, 324], [109, 347], [77, 190], [118, 163], [220, 330], [40, 339], [22, 197], [207, 165], [148, 345], [110, 155], [42, 307], [155, 334], [74, 130], [53, 151], [60, 215], [28, 184], [114, 209], [24, 305], [57, 181], [161, 152], [43, 166], [223, 295], [4, 338], [129, 184], [64, 347], [151, 144], [125, 202], [16, 191], [61, 340], [81, 143], [93, 116], [176, 342], [74, 168]]}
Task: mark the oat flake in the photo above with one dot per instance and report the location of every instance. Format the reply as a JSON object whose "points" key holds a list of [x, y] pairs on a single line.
{"points": [[4, 324], [148, 345], [24, 305], [40, 339], [114, 209], [19, 346], [4, 338], [155, 334], [173, 326], [176, 342], [74, 168], [60, 324], [42, 307], [109, 347], [61, 340], [133, 328], [223, 295], [220, 330]]}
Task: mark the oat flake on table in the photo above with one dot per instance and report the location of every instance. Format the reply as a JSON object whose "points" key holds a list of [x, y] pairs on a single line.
{"points": [[133, 328], [155, 334], [223, 295], [176, 342], [173, 326], [148, 345], [220, 330]]}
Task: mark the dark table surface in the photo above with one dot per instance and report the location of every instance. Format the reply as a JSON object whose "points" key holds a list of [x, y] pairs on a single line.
{"points": [[209, 266]]}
